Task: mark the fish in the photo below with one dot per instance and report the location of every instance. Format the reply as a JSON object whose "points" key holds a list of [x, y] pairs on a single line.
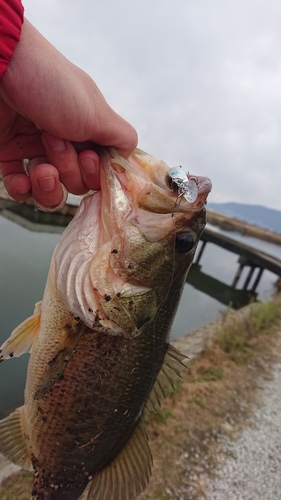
{"points": [[100, 355]]}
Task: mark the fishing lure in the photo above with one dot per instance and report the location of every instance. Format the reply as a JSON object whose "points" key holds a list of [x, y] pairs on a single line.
{"points": [[178, 181]]}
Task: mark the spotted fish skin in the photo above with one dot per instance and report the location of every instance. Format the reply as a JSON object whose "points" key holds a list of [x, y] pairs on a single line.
{"points": [[99, 341]]}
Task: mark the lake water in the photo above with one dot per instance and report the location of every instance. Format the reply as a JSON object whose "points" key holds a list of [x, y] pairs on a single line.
{"points": [[24, 262]]}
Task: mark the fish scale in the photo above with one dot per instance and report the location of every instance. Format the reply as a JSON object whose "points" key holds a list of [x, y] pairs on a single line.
{"points": [[99, 341], [95, 441]]}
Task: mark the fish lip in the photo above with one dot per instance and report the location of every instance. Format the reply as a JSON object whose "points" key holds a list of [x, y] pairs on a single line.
{"points": [[204, 184]]}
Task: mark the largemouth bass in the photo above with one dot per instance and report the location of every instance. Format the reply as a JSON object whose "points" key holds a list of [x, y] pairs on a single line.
{"points": [[99, 340]]}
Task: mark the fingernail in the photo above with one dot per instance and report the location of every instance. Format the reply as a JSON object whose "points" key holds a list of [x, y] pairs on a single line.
{"points": [[55, 143], [89, 165], [47, 183], [56, 207]]}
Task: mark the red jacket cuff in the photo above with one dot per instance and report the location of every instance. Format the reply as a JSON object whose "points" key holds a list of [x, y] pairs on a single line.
{"points": [[11, 19]]}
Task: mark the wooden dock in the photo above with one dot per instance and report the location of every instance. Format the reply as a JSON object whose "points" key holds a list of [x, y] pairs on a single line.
{"points": [[248, 256]]}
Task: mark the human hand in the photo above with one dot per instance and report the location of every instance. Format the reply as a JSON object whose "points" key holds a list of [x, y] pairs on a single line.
{"points": [[47, 104]]}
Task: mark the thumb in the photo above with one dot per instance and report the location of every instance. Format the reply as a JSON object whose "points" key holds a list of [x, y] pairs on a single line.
{"points": [[113, 130]]}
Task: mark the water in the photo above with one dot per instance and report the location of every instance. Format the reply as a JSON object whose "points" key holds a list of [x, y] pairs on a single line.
{"points": [[196, 308], [24, 262]]}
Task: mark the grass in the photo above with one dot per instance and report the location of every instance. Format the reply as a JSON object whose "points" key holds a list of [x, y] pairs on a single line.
{"points": [[214, 400], [17, 487], [237, 332], [267, 316], [197, 400], [161, 416], [214, 373]]}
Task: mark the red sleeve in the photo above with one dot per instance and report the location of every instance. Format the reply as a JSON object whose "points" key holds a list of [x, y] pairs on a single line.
{"points": [[11, 19]]}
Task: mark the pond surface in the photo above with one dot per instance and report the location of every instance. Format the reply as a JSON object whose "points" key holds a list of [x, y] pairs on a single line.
{"points": [[24, 262]]}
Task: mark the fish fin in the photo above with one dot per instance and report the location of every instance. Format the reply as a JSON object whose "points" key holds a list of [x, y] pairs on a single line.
{"points": [[12, 440], [168, 378], [59, 362], [128, 474], [21, 338]]}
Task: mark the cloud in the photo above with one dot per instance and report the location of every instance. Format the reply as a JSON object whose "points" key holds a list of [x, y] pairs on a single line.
{"points": [[199, 80]]}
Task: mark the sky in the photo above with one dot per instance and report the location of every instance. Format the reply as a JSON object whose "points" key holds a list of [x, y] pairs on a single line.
{"points": [[200, 80]]}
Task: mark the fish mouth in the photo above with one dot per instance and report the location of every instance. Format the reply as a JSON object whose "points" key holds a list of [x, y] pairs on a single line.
{"points": [[134, 207], [157, 192]]}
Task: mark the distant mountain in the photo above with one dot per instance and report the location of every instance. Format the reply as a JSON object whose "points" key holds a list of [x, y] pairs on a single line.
{"points": [[252, 214]]}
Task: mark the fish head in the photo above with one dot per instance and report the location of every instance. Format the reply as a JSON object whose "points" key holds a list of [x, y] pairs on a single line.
{"points": [[129, 247]]}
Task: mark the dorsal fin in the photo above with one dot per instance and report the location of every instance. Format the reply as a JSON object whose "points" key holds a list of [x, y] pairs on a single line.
{"points": [[168, 376], [21, 338], [128, 474]]}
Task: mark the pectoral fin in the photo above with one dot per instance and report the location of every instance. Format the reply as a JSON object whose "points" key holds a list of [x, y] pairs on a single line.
{"points": [[168, 377], [12, 440], [128, 475], [21, 339]]}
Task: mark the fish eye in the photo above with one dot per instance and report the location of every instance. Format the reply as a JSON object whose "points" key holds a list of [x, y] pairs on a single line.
{"points": [[185, 242]]}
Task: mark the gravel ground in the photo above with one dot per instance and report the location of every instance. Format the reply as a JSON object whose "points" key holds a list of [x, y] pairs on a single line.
{"points": [[252, 470]]}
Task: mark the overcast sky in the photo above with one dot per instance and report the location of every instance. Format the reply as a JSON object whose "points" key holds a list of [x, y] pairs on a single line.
{"points": [[199, 79]]}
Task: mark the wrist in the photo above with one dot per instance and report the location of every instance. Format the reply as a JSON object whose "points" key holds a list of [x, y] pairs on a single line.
{"points": [[30, 85]]}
